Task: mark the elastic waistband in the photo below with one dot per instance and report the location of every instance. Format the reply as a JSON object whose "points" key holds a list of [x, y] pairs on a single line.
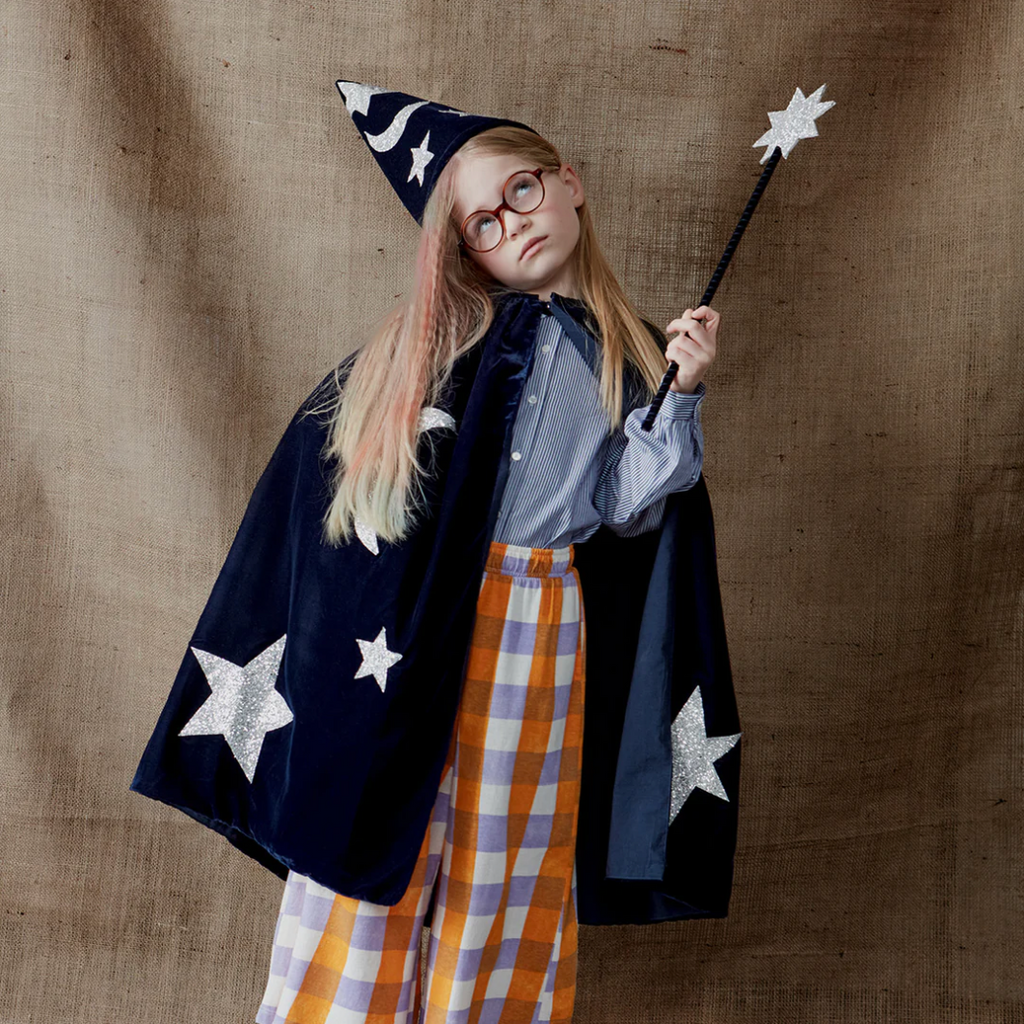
{"points": [[518, 560]]}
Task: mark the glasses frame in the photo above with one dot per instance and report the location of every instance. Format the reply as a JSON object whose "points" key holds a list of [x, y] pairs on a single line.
{"points": [[496, 212]]}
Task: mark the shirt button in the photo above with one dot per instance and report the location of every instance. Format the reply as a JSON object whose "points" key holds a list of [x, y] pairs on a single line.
{"points": [[517, 456], [532, 399], [545, 348]]}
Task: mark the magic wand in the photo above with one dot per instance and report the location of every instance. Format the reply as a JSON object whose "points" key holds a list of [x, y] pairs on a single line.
{"points": [[789, 126]]}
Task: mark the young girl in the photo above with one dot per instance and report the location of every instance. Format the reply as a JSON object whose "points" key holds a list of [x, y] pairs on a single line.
{"points": [[489, 428]]}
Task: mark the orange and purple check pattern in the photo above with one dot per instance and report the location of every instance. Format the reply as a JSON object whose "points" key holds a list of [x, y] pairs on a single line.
{"points": [[500, 846]]}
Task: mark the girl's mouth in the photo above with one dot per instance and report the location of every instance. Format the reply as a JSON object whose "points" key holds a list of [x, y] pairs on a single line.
{"points": [[532, 247]]}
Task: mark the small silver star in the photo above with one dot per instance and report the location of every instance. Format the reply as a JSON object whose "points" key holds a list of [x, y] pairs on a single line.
{"points": [[357, 96], [431, 418], [421, 156], [794, 123], [694, 754], [244, 705], [377, 659]]}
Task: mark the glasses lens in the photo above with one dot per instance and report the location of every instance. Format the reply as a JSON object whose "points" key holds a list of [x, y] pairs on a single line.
{"points": [[482, 231], [524, 192]]}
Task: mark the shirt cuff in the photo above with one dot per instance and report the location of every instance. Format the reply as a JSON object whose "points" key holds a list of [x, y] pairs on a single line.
{"points": [[679, 405]]}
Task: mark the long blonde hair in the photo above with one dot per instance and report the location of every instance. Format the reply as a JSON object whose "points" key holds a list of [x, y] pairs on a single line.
{"points": [[374, 413]]}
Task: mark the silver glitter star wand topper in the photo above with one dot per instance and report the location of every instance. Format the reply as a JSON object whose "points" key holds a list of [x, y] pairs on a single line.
{"points": [[789, 126]]}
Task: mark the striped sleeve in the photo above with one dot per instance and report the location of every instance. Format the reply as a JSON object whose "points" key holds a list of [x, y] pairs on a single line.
{"points": [[640, 468]]}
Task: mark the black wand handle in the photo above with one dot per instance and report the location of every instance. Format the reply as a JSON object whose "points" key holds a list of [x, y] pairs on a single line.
{"points": [[709, 292]]}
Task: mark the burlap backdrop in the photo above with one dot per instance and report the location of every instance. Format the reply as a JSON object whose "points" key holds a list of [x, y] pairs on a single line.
{"points": [[193, 233]]}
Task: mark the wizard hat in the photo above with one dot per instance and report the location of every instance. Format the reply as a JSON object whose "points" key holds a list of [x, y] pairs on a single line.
{"points": [[411, 138]]}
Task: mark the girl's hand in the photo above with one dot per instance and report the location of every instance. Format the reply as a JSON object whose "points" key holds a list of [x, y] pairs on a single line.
{"points": [[694, 348]]}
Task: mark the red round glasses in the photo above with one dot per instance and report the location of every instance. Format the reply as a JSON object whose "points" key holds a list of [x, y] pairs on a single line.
{"points": [[484, 230]]}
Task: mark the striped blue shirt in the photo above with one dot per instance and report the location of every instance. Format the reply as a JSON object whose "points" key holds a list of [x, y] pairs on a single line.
{"points": [[568, 475]]}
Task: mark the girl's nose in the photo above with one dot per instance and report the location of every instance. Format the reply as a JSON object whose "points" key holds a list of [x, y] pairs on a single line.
{"points": [[514, 222]]}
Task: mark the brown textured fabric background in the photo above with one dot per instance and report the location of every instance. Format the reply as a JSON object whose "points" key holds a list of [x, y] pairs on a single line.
{"points": [[194, 233]]}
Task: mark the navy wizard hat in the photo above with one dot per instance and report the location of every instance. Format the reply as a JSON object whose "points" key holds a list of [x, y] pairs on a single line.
{"points": [[412, 139]]}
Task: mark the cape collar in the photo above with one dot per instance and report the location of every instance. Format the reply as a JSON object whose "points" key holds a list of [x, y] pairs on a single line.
{"points": [[574, 315], [578, 320], [575, 306]]}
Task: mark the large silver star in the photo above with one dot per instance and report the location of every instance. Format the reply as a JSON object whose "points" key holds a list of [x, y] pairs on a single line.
{"points": [[377, 659], [431, 418], [794, 123], [244, 705], [694, 754], [421, 156], [357, 96]]}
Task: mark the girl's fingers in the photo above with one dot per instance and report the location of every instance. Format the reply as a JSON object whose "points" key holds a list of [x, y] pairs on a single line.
{"points": [[693, 347], [688, 328], [684, 323], [679, 349], [692, 316]]}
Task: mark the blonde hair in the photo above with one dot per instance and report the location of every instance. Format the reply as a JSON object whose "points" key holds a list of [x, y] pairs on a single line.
{"points": [[374, 413]]}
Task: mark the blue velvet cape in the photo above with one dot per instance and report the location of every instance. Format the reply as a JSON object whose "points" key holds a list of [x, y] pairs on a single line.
{"points": [[343, 793]]}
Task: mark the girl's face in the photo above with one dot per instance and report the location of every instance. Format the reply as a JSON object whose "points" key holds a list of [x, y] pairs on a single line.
{"points": [[547, 267]]}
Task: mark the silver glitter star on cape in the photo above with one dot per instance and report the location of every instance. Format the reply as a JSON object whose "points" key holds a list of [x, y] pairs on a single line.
{"points": [[431, 418], [377, 659], [794, 123], [244, 705], [694, 754]]}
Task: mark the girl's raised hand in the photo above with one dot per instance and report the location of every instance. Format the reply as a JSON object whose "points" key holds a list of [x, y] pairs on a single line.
{"points": [[693, 348]]}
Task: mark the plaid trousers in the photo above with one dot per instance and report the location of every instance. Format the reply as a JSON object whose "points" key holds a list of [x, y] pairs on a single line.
{"points": [[499, 849]]}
